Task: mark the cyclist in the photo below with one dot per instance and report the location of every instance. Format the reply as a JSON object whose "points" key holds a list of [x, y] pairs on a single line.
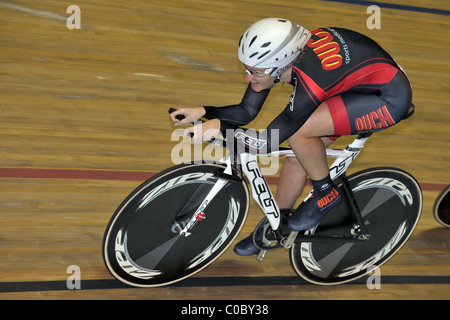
{"points": [[344, 84]]}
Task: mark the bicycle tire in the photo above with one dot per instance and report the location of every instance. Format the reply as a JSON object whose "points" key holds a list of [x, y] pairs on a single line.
{"points": [[390, 201], [441, 207], [142, 248]]}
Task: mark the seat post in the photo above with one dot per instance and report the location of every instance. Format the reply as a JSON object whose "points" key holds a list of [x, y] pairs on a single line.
{"points": [[359, 142]]}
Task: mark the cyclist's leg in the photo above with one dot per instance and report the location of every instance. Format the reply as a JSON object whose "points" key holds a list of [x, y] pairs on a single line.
{"points": [[293, 177], [311, 153], [293, 180], [349, 113], [308, 146]]}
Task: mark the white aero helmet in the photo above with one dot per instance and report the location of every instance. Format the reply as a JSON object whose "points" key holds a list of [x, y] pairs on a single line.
{"points": [[272, 43]]}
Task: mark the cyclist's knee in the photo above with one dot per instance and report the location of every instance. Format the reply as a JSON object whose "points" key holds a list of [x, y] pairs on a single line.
{"points": [[293, 162]]}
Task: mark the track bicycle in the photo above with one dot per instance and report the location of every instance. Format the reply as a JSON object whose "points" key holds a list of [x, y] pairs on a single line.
{"points": [[181, 220]]}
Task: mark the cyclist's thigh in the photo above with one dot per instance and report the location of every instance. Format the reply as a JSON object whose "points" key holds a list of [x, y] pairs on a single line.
{"points": [[354, 112], [319, 124]]}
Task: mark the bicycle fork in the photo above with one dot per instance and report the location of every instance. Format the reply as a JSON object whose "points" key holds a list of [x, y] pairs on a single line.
{"points": [[184, 228], [199, 214]]}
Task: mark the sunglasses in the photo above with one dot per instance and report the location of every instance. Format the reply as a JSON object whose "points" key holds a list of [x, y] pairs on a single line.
{"points": [[259, 73]]}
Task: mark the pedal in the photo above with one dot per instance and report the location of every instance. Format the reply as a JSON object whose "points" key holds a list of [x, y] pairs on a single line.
{"points": [[261, 255], [290, 240]]}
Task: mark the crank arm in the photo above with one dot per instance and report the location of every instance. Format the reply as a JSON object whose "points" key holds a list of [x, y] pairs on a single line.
{"points": [[290, 239]]}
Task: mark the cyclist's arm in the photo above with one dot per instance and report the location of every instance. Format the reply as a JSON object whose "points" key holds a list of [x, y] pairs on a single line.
{"points": [[242, 113], [280, 129]]}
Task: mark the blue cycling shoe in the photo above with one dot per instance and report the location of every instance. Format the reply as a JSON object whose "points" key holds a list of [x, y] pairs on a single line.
{"points": [[310, 214], [247, 247]]}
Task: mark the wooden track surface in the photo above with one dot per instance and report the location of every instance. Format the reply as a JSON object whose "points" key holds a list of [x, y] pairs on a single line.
{"points": [[83, 119]]}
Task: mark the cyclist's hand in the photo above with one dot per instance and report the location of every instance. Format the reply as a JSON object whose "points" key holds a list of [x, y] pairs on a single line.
{"points": [[190, 115], [204, 131]]}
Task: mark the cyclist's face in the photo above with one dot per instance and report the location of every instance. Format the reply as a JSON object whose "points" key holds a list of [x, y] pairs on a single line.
{"points": [[258, 78]]}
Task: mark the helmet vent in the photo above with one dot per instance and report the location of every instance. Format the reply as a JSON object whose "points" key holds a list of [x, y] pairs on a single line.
{"points": [[266, 44], [253, 40], [264, 54], [253, 54]]}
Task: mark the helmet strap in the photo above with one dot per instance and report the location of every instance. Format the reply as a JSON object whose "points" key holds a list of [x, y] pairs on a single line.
{"points": [[277, 79]]}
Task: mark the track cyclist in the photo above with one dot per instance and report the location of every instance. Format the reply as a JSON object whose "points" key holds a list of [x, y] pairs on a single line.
{"points": [[344, 84]]}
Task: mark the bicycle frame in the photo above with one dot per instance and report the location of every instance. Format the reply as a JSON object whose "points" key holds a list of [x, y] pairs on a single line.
{"points": [[247, 162]]}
